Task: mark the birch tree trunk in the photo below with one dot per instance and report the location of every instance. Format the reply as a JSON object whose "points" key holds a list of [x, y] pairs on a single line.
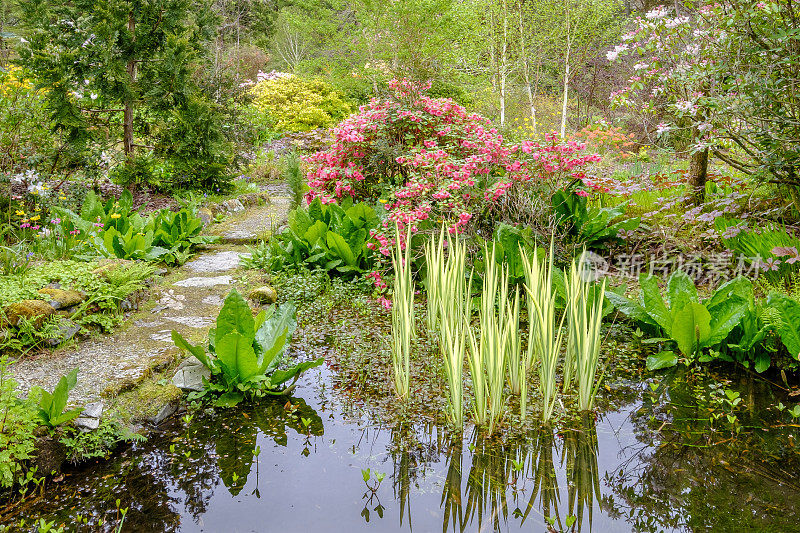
{"points": [[566, 77], [526, 70], [504, 66]]}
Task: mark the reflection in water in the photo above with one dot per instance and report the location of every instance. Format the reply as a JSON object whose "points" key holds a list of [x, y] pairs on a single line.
{"points": [[542, 470], [580, 452], [236, 438], [660, 471], [526, 469]]}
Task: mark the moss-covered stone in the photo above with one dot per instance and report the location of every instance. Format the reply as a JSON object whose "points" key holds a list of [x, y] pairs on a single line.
{"points": [[34, 310], [144, 402], [60, 298], [264, 294], [158, 363]]}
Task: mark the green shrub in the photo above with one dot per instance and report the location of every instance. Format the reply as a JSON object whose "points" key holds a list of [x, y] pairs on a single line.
{"points": [[83, 446], [297, 104], [331, 237], [18, 420], [730, 325], [590, 226]]}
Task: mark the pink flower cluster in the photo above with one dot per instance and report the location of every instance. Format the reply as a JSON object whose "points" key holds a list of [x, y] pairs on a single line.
{"points": [[424, 158]]}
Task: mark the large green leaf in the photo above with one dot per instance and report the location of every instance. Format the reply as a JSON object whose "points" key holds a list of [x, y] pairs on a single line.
{"points": [[338, 245], [631, 309], [300, 221], [738, 286], [279, 377], [235, 315], [236, 357], [316, 210], [316, 233], [654, 303], [51, 406], [724, 317], [691, 328], [680, 291], [665, 359], [362, 215], [197, 351], [274, 335]]}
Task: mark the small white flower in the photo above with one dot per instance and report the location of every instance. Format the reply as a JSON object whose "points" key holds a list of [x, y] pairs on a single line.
{"points": [[662, 129], [93, 96], [657, 13], [640, 66], [684, 106]]}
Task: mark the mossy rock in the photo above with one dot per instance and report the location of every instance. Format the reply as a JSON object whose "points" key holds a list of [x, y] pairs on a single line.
{"points": [[264, 295], [60, 298], [34, 310]]}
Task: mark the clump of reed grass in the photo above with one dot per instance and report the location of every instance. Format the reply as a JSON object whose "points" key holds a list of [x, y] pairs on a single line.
{"points": [[544, 335], [449, 294], [585, 315], [403, 322]]}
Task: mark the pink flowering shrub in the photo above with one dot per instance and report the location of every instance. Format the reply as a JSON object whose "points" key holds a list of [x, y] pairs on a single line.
{"points": [[429, 159]]}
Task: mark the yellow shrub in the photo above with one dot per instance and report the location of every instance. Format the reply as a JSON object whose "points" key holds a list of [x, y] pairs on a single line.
{"points": [[297, 104]]}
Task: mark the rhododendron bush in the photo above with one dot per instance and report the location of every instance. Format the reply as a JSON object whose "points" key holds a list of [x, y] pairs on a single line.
{"points": [[429, 159]]}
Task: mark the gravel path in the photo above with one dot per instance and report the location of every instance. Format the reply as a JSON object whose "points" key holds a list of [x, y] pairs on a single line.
{"points": [[187, 300]]}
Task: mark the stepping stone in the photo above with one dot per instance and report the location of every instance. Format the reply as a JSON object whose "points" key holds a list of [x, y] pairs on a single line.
{"points": [[205, 282], [190, 374], [164, 335], [191, 321], [219, 262], [214, 300]]}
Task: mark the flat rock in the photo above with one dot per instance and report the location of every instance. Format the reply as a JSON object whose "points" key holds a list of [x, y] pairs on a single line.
{"points": [[66, 330], [219, 262], [164, 335], [233, 205], [93, 410], [190, 374], [205, 282], [167, 411], [87, 424], [214, 300], [191, 321]]}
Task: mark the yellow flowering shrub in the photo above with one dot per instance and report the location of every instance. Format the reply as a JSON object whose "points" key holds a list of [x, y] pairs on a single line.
{"points": [[297, 104], [24, 121]]}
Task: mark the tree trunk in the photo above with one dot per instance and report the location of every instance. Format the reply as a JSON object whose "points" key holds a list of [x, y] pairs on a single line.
{"points": [[504, 66], [127, 121], [526, 71], [698, 173], [566, 81]]}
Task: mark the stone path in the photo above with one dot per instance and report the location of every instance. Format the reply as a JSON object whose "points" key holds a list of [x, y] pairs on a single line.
{"points": [[187, 300], [257, 222]]}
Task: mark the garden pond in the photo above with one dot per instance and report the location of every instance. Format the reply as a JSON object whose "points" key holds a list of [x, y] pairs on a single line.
{"points": [[676, 451]]}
